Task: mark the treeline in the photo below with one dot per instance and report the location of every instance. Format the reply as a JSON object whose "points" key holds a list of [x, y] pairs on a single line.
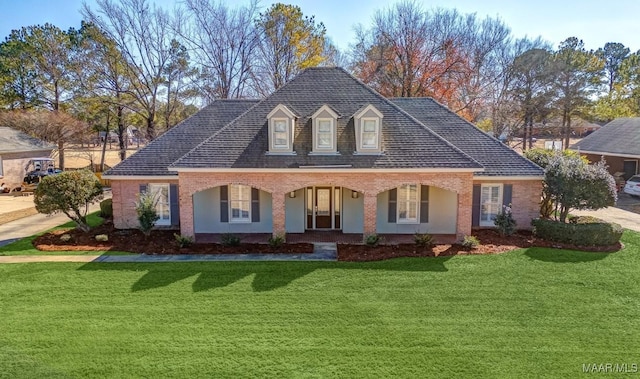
{"points": [[133, 63]]}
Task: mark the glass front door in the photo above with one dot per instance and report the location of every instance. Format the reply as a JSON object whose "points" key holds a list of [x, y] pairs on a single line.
{"points": [[323, 207]]}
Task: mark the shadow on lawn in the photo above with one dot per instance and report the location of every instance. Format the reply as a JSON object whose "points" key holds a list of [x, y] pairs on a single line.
{"points": [[267, 276], [564, 256]]}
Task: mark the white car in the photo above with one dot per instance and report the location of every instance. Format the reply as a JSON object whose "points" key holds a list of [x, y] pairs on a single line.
{"points": [[632, 187]]}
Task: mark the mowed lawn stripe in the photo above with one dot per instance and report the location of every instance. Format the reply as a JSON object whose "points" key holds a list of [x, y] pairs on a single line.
{"points": [[528, 313]]}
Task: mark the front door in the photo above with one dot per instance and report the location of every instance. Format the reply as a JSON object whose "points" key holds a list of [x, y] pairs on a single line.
{"points": [[323, 207]]}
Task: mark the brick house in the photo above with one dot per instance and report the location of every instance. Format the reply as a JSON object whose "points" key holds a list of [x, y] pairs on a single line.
{"points": [[326, 152], [618, 142]]}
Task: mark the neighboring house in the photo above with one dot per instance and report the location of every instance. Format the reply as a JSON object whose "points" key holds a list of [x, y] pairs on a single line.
{"points": [[16, 150], [618, 142], [326, 152]]}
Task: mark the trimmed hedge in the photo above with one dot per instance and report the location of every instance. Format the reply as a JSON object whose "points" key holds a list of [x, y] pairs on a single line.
{"points": [[581, 231], [106, 208]]}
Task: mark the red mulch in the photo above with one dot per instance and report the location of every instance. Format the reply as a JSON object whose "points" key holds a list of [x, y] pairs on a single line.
{"points": [[491, 242], [163, 242], [159, 242]]}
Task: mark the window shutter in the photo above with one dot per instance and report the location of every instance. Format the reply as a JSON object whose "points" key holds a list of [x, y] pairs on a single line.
{"points": [[393, 204], [475, 206], [507, 192], [224, 203], [255, 205], [174, 204], [424, 204], [143, 188]]}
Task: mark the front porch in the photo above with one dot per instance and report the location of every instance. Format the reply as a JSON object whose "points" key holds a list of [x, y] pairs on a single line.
{"points": [[331, 236]]}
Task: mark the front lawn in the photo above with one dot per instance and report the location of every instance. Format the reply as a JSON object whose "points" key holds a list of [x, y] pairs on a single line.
{"points": [[529, 313]]}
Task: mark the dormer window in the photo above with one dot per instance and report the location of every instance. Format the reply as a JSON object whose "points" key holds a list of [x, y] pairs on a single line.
{"points": [[281, 122], [368, 123], [370, 133], [324, 131]]}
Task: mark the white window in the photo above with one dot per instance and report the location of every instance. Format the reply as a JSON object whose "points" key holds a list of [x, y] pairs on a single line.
{"points": [[280, 136], [408, 200], [324, 134], [490, 203], [240, 203], [160, 193], [369, 134]]}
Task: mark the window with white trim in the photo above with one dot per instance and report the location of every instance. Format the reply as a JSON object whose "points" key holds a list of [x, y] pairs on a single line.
{"points": [[281, 133], [160, 192], [408, 204], [490, 203], [239, 203], [369, 133], [324, 134]]}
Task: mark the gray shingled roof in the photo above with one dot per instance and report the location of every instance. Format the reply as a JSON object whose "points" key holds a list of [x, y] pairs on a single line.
{"points": [[405, 141], [12, 140], [497, 158], [620, 136], [154, 158]]}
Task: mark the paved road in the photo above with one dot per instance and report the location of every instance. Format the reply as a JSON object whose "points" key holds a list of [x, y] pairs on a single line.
{"points": [[31, 225]]}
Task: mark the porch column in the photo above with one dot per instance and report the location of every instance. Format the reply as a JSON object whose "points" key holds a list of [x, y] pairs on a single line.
{"points": [[370, 209], [186, 214], [278, 216], [463, 223]]}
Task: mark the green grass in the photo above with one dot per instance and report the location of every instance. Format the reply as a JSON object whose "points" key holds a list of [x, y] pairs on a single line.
{"points": [[24, 246], [528, 313]]}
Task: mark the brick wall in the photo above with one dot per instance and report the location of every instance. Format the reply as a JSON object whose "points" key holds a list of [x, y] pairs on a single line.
{"points": [[125, 193], [526, 194], [525, 200]]}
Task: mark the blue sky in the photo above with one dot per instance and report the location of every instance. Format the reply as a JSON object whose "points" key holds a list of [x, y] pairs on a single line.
{"points": [[595, 22]]}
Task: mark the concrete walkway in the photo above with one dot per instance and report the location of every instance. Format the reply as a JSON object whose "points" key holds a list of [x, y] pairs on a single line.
{"points": [[28, 226], [321, 252]]}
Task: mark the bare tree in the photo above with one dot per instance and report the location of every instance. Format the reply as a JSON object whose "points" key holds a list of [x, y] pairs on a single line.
{"points": [[144, 37], [223, 40]]}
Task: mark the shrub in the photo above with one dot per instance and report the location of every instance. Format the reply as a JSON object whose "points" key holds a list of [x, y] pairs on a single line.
{"points": [[229, 239], [423, 239], [69, 192], [582, 232], [372, 239], [470, 242], [276, 241], [146, 210], [505, 222], [572, 184], [106, 208], [182, 241]]}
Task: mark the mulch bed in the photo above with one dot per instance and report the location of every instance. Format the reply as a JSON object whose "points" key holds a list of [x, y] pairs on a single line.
{"points": [[159, 242], [163, 242], [491, 242]]}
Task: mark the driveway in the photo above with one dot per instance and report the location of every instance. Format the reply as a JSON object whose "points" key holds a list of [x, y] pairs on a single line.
{"points": [[626, 212]]}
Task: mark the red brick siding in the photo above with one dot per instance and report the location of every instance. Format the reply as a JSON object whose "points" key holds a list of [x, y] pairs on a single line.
{"points": [[125, 193], [525, 200]]}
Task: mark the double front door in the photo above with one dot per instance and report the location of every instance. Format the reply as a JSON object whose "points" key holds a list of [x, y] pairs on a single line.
{"points": [[323, 207]]}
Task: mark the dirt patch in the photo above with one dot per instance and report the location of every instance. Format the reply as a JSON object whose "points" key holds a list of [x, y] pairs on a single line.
{"points": [[163, 242], [159, 242], [491, 242]]}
